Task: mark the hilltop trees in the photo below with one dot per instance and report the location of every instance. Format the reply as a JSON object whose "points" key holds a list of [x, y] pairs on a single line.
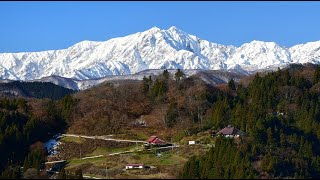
{"points": [[232, 85], [172, 115], [146, 84], [36, 89], [178, 75], [316, 76]]}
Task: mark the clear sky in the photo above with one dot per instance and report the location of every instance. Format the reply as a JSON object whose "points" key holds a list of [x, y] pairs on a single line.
{"points": [[36, 26]]}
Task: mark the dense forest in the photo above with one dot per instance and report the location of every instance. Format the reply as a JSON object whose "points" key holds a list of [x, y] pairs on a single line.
{"points": [[280, 112], [24, 125]]}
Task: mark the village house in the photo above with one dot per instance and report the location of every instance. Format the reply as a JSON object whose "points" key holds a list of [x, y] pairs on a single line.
{"points": [[231, 131], [154, 140]]}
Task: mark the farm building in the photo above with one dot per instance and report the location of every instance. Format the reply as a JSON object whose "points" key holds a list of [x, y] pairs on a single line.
{"points": [[231, 131], [154, 140]]}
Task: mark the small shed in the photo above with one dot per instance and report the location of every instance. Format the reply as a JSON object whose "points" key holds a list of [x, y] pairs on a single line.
{"points": [[134, 166], [193, 142]]}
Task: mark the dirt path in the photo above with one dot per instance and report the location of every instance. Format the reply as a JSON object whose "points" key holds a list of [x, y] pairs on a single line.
{"points": [[102, 138]]}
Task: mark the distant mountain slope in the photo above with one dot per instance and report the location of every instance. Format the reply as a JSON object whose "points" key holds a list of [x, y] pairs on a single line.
{"points": [[151, 49], [33, 89], [213, 77]]}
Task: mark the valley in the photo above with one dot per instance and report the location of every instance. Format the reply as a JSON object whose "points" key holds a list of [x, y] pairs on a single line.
{"points": [[171, 123]]}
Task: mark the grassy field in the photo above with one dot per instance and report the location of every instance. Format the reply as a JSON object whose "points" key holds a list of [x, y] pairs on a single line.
{"points": [[76, 162], [167, 164], [107, 151], [133, 135]]}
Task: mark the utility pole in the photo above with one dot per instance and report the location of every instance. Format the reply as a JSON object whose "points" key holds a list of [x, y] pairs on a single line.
{"points": [[137, 147], [106, 171], [80, 151]]}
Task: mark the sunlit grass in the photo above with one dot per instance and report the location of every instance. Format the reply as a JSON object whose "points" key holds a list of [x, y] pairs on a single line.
{"points": [[72, 139]]}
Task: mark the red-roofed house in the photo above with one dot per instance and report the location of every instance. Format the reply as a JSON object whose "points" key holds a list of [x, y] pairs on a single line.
{"points": [[231, 131], [155, 141], [158, 141], [152, 138]]}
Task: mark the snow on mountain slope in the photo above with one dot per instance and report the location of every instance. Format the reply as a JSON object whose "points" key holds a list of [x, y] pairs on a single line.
{"points": [[259, 55], [212, 77], [304, 53], [151, 49]]}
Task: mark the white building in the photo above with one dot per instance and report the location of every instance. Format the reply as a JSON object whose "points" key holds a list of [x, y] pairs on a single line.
{"points": [[134, 166]]}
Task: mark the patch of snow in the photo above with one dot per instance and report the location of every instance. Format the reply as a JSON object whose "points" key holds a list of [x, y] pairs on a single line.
{"points": [[52, 145]]}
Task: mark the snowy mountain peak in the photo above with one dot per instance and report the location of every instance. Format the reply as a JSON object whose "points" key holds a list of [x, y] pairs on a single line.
{"points": [[175, 29], [172, 28], [260, 44], [151, 49], [154, 29]]}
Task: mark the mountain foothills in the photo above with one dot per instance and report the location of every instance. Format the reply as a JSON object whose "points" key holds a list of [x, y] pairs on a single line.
{"points": [[152, 49], [33, 90], [278, 111]]}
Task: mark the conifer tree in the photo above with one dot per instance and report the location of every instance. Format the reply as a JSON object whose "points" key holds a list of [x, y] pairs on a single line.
{"points": [[178, 75], [231, 84]]}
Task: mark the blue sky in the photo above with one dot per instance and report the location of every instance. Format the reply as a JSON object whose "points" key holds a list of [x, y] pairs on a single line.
{"points": [[36, 26]]}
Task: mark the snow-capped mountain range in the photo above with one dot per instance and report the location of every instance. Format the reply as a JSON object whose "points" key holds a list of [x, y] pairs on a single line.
{"points": [[152, 49]]}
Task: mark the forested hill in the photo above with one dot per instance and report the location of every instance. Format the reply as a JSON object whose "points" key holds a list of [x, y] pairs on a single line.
{"points": [[33, 89], [280, 112]]}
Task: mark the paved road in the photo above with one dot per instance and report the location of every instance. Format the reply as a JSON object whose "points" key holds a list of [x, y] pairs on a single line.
{"points": [[102, 138], [53, 162], [91, 177], [90, 157]]}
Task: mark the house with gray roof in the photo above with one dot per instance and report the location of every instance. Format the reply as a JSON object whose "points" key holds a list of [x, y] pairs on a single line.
{"points": [[231, 131]]}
